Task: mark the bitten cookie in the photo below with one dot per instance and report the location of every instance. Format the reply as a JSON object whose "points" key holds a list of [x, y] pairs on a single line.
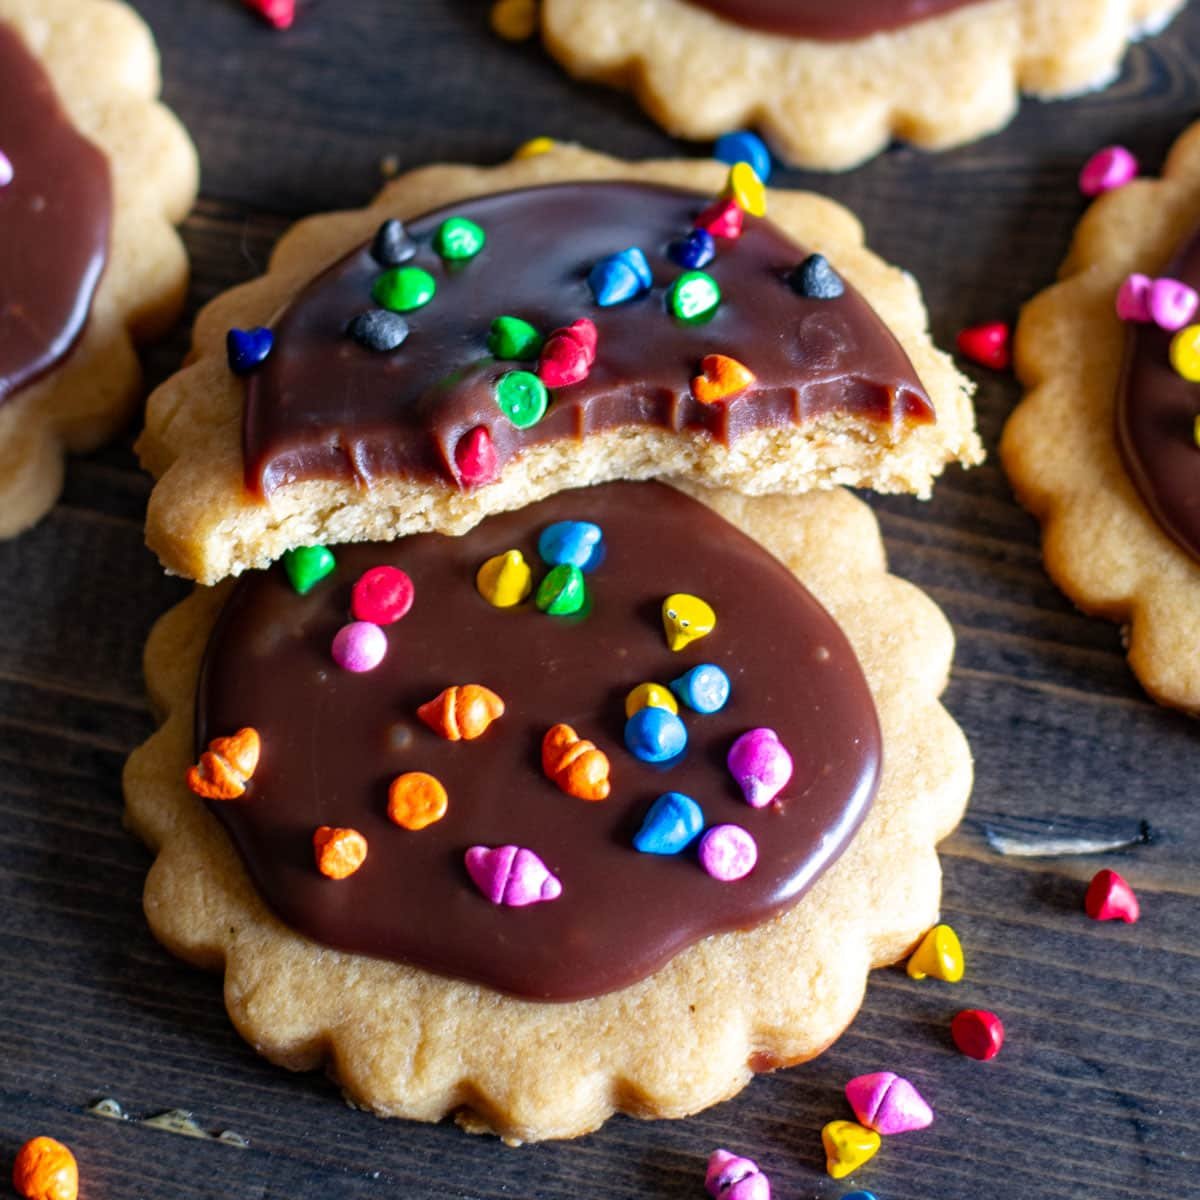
{"points": [[604, 320], [830, 84], [1103, 448], [93, 174], [617, 845]]}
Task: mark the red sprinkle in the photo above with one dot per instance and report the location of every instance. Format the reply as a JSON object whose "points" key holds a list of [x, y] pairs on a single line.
{"points": [[986, 344], [722, 218], [978, 1033], [382, 595], [1110, 898], [564, 361], [279, 13], [475, 457], [582, 331]]}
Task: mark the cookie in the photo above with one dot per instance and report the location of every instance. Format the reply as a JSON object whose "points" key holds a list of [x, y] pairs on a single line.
{"points": [[1113, 507], [831, 84], [387, 399], [93, 175], [532, 941]]}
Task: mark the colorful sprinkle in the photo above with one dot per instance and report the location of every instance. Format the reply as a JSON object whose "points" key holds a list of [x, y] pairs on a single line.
{"points": [[704, 689], [694, 251], [686, 619], [458, 240], [731, 1177], [339, 852], [403, 289], [671, 824], [226, 766], [862, 1195], [815, 279], [393, 246], [379, 330], [1110, 168], [247, 349], [1185, 353], [306, 566], [416, 800], [534, 147], [728, 852], [847, 1147], [580, 543], [1171, 303], [986, 344], [522, 397], [722, 219], [505, 579], [45, 1169], [745, 189], [693, 297], [620, 277], [743, 146], [655, 735], [279, 14], [575, 764], [511, 875], [1110, 898], [761, 765], [513, 340], [382, 595], [562, 592], [649, 695], [721, 378], [564, 360], [359, 647], [888, 1103], [1133, 298], [977, 1033], [462, 712], [6, 170], [475, 457], [514, 20], [939, 954]]}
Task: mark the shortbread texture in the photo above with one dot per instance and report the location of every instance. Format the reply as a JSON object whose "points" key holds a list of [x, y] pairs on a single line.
{"points": [[831, 105], [203, 523], [104, 67], [1102, 546], [403, 1042]]}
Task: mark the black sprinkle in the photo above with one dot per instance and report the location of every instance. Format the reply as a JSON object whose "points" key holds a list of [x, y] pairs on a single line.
{"points": [[392, 245], [815, 279], [379, 330]]}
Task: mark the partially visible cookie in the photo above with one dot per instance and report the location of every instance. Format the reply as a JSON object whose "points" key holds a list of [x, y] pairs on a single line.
{"points": [[830, 84], [89, 261], [613, 978], [1112, 540], [645, 330]]}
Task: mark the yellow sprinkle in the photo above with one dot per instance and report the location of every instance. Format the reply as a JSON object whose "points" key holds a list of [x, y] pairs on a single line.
{"points": [[940, 954], [505, 580], [745, 187], [1185, 353], [847, 1147], [650, 695], [685, 619], [515, 20], [534, 147], [1196, 431]]}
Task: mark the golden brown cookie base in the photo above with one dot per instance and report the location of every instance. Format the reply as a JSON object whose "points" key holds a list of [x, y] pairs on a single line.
{"points": [[403, 1042], [1101, 544], [102, 60], [831, 105], [204, 525]]}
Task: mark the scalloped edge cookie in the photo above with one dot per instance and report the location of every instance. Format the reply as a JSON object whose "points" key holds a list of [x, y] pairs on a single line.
{"points": [[202, 523], [403, 1042], [1101, 544], [102, 60], [831, 105]]}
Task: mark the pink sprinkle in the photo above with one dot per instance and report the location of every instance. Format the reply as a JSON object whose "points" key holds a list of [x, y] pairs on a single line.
{"points": [[6, 170], [511, 875], [888, 1103], [722, 218], [1110, 168], [1172, 303], [359, 646], [1133, 298], [730, 1177], [760, 763], [728, 852]]}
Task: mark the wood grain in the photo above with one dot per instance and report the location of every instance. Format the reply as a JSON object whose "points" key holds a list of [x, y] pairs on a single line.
{"points": [[1093, 1094]]}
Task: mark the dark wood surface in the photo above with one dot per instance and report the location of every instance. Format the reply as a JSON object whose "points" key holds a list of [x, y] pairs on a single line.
{"points": [[1095, 1092]]}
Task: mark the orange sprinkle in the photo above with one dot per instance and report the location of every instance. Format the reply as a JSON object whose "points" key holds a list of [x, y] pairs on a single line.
{"points": [[462, 713], [339, 852], [226, 766], [722, 378], [416, 799], [575, 764], [46, 1170]]}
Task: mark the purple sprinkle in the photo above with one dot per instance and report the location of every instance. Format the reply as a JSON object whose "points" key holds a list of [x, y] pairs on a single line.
{"points": [[6, 170]]}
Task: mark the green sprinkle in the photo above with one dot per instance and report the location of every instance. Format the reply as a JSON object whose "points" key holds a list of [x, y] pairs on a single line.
{"points": [[522, 398], [458, 239], [562, 592], [402, 289], [306, 566], [511, 339], [694, 297]]}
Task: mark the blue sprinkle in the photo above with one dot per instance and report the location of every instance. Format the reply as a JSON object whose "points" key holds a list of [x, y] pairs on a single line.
{"points": [[744, 146], [705, 688], [693, 252], [641, 268], [248, 348], [655, 735], [620, 277], [672, 823], [859, 1196], [575, 543]]}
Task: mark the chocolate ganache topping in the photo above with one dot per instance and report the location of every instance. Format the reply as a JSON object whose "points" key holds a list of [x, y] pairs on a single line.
{"points": [[332, 741], [826, 20], [55, 214], [323, 406], [1156, 411]]}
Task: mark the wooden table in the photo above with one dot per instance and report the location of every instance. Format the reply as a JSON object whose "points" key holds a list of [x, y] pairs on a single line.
{"points": [[1093, 1094]]}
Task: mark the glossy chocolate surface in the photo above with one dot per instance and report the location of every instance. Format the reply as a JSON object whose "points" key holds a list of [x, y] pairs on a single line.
{"points": [[333, 741], [826, 20], [325, 407], [55, 216]]}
